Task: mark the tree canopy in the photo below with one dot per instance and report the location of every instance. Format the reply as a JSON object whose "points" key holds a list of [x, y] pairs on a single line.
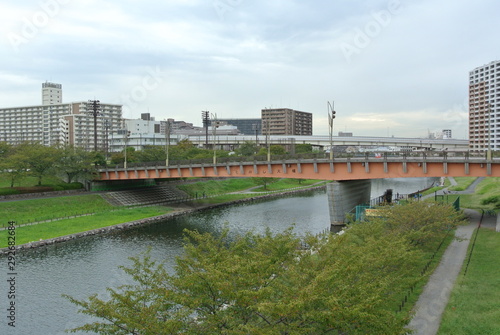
{"points": [[275, 283]]}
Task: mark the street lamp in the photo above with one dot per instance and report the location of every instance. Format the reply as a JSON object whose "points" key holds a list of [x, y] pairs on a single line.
{"points": [[215, 125], [167, 141], [268, 139], [331, 116], [126, 137]]}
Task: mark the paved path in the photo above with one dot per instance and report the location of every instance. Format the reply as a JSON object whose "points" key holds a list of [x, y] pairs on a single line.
{"points": [[470, 189], [434, 298]]}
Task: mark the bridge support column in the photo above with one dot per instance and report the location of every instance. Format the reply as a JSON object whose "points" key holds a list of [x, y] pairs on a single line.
{"points": [[343, 196]]}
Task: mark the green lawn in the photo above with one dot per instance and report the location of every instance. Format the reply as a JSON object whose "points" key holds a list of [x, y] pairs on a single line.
{"points": [[217, 186], [48, 208], [487, 187], [462, 183], [474, 305], [284, 184], [64, 227]]}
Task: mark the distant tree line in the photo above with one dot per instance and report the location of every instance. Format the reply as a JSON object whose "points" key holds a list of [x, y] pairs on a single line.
{"points": [[75, 163], [35, 159]]}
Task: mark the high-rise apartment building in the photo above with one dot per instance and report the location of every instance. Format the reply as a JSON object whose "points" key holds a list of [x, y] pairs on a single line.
{"points": [[484, 107], [55, 122], [286, 121]]}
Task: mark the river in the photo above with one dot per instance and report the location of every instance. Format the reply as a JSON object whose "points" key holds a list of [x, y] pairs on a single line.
{"points": [[90, 265]]}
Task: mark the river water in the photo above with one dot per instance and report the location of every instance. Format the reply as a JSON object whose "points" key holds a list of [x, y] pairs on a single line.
{"points": [[90, 265]]}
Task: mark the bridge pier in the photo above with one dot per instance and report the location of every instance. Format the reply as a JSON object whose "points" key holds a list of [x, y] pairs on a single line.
{"points": [[344, 196]]}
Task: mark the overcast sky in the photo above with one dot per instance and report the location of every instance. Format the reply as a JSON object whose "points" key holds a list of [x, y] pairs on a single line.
{"points": [[393, 68]]}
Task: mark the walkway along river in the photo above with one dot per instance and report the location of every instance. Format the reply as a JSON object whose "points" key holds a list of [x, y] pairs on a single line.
{"points": [[89, 265]]}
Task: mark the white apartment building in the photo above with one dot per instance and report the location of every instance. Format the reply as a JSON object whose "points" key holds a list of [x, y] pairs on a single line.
{"points": [[484, 107], [55, 122]]}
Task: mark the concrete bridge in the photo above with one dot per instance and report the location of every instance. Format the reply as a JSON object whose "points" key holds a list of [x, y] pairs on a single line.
{"points": [[350, 175]]}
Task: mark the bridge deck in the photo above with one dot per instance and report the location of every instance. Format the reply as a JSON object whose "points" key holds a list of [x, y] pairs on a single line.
{"points": [[337, 169]]}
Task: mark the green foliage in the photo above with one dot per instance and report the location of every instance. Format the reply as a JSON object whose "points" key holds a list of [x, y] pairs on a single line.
{"points": [[39, 158], [421, 223], [75, 162], [303, 148], [152, 153], [275, 150], [15, 166], [269, 284], [248, 148]]}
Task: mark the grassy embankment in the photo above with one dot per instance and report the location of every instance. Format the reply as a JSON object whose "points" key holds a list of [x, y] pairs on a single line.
{"points": [[218, 191], [58, 209], [489, 187], [103, 214], [474, 305]]}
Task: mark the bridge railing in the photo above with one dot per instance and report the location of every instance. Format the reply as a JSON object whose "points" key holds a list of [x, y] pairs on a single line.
{"points": [[320, 156]]}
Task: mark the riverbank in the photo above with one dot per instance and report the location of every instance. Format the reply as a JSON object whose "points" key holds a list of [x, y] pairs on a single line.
{"points": [[181, 209]]}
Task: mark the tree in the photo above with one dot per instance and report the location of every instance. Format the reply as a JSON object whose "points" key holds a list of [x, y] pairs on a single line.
{"points": [[15, 166], [271, 284], [119, 157], [275, 150], [40, 159], [75, 162], [246, 149], [303, 148], [152, 153], [422, 223]]}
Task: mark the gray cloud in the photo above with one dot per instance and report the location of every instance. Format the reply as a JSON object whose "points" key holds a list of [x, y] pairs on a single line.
{"points": [[392, 67]]}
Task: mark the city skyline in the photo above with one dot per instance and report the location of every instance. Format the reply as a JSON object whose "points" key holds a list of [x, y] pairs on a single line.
{"points": [[392, 67]]}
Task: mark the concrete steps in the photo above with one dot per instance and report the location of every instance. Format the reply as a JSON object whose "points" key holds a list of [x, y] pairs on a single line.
{"points": [[144, 196]]}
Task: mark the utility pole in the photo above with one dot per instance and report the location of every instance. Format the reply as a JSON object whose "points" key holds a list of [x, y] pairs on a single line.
{"points": [[205, 117], [331, 116], [94, 106]]}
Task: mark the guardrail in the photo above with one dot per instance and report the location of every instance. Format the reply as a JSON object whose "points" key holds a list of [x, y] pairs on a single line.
{"points": [[410, 156]]}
